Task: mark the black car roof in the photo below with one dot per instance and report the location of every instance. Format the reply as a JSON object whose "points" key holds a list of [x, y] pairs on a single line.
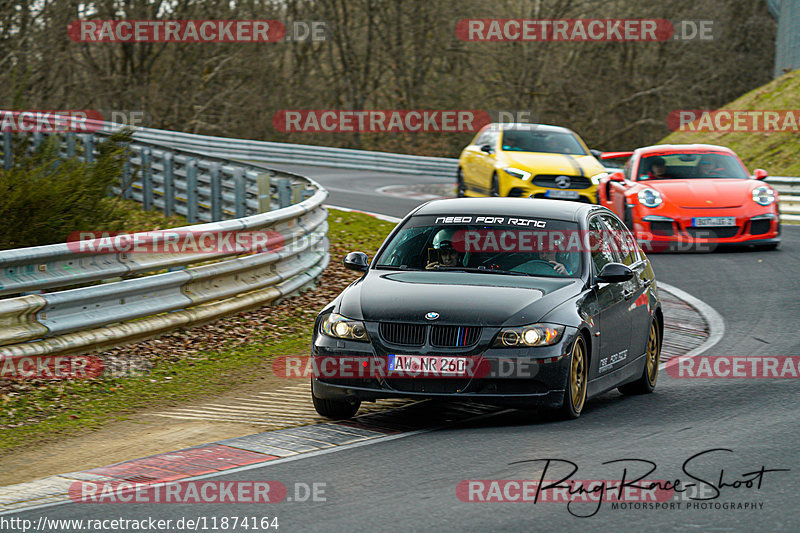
{"points": [[521, 207]]}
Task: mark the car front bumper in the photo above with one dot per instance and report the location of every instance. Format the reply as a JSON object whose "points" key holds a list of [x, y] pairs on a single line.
{"points": [[529, 377]]}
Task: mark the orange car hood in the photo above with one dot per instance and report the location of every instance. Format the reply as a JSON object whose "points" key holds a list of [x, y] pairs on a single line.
{"points": [[713, 192]]}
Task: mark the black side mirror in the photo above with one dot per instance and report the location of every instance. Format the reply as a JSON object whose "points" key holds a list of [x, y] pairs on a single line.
{"points": [[596, 153], [614, 273], [356, 261], [486, 148]]}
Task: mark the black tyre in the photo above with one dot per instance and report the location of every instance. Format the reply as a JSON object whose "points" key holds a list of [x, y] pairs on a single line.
{"points": [[461, 187], [575, 393], [495, 190], [335, 409], [647, 381]]}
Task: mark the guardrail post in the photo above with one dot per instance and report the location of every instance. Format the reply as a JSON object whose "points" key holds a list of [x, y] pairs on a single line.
{"points": [[297, 193], [264, 193], [284, 192], [37, 140], [191, 191], [8, 156], [216, 192], [88, 149], [240, 193], [69, 137], [127, 180], [147, 182], [169, 185]]}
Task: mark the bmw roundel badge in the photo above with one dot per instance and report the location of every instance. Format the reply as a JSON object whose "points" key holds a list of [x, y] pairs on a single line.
{"points": [[432, 316]]}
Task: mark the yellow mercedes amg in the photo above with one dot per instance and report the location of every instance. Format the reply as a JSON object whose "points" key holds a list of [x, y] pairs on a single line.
{"points": [[529, 160]]}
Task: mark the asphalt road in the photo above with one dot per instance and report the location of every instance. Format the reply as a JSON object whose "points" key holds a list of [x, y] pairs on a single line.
{"points": [[356, 189], [409, 483]]}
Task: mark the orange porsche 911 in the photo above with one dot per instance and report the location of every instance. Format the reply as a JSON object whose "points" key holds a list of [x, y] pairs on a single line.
{"points": [[692, 195]]}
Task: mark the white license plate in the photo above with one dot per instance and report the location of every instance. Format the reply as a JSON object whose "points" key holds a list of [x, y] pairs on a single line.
{"points": [[428, 365], [564, 195], [702, 222]]}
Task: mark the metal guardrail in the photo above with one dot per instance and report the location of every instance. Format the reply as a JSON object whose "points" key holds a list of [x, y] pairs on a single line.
{"points": [[107, 298], [789, 191], [298, 154], [272, 152]]}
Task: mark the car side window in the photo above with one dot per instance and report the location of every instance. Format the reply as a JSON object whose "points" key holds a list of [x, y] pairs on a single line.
{"points": [[622, 242], [626, 171], [491, 138], [601, 251], [483, 138]]}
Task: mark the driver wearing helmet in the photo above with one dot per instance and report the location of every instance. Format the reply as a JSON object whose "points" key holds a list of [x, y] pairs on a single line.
{"points": [[443, 252]]}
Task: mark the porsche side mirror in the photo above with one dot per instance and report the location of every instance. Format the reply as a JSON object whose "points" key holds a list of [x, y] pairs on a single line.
{"points": [[356, 261], [617, 176], [487, 148], [760, 174], [596, 153], [614, 273]]}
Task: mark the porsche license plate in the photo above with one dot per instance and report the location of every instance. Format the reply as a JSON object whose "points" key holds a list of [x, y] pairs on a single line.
{"points": [[704, 222], [564, 195], [428, 365]]}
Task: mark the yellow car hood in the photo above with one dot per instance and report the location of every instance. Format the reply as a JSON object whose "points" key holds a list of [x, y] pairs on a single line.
{"points": [[542, 163]]}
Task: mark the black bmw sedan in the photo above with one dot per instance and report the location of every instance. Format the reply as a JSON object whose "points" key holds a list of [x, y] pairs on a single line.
{"points": [[510, 301]]}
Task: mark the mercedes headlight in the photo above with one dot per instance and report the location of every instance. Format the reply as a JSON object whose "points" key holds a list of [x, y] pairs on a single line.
{"points": [[517, 173], [650, 198], [763, 195], [596, 178], [532, 335], [340, 327]]}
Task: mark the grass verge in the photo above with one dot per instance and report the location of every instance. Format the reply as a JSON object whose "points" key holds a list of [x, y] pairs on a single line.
{"points": [[188, 364]]}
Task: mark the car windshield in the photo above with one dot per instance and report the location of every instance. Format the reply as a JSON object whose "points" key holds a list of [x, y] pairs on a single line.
{"points": [[692, 165], [536, 140], [485, 245]]}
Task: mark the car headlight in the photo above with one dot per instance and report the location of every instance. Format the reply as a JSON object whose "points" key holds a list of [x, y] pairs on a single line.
{"points": [[340, 327], [532, 335], [763, 195], [650, 198], [517, 173]]}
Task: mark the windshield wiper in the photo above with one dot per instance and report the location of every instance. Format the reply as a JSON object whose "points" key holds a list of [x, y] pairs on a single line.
{"points": [[396, 267], [482, 270]]}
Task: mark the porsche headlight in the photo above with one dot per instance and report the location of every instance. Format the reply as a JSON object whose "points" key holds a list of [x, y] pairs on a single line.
{"points": [[650, 198], [517, 173], [340, 327], [532, 335], [763, 195]]}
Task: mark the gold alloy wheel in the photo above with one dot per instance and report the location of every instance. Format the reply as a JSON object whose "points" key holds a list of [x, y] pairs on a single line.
{"points": [[577, 375], [653, 349]]}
